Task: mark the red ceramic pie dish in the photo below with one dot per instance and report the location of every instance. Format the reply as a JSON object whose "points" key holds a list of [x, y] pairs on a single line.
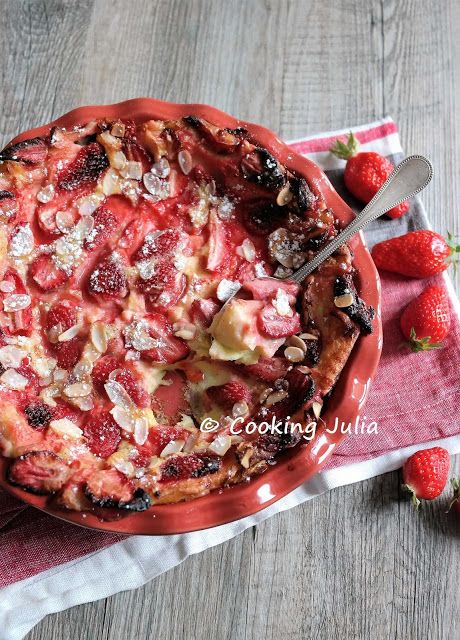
{"points": [[348, 397]]}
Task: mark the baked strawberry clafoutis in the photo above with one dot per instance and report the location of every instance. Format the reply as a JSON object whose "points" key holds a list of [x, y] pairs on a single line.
{"points": [[120, 242]]}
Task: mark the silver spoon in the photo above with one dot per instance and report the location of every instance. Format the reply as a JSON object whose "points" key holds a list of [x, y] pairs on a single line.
{"points": [[408, 179]]}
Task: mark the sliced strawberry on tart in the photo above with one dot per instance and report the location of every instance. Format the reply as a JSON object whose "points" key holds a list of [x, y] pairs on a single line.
{"points": [[120, 245]]}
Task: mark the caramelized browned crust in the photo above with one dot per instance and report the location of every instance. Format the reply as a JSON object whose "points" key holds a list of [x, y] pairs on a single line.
{"points": [[336, 332]]}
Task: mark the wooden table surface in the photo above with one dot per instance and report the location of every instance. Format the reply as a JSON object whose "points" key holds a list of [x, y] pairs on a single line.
{"points": [[357, 562]]}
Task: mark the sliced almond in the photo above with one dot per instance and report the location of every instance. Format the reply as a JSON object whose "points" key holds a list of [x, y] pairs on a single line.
{"points": [[141, 430], [123, 418], [46, 194], [175, 446], [221, 444], [118, 395], [69, 333], [295, 341], [99, 336], [240, 409], [66, 427], [16, 302], [317, 408], [6, 286], [64, 221], [82, 368], [54, 333], [284, 196], [11, 356], [275, 397], [248, 250], [14, 380], [294, 354], [88, 204], [60, 375], [90, 353], [118, 130], [344, 301], [78, 390], [185, 161], [49, 393], [308, 336], [108, 139], [111, 183], [118, 160], [44, 366], [264, 395], [161, 169], [132, 170], [83, 228], [84, 404], [190, 442], [124, 466]]}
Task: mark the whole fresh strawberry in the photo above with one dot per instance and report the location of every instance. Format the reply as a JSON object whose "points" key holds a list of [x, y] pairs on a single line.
{"points": [[455, 504], [418, 254], [425, 322], [365, 172], [425, 474]]}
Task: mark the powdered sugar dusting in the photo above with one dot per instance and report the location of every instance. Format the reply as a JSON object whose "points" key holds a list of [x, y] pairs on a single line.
{"points": [[22, 243], [227, 289]]}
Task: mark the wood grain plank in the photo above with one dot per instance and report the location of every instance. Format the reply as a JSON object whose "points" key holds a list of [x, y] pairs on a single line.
{"points": [[357, 562]]}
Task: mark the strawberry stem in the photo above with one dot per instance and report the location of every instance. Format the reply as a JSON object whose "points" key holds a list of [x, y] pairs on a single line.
{"points": [[345, 150], [456, 488], [421, 344], [454, 248], [415, 501]]}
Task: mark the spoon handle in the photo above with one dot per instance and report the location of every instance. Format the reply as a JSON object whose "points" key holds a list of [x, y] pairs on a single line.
{"points": [[408, 179]]}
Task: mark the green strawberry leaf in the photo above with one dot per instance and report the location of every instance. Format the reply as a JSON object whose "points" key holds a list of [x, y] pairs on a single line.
{"points": [[415, 501], [345, 150], [421, 344], [454, 249], [456, 488]]}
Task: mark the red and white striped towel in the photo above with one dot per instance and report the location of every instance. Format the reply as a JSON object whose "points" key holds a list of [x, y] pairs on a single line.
{"points": [[47, 565]]}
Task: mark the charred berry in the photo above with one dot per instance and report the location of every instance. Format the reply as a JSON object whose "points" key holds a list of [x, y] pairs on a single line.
{"points": [[191, 466], [261, 218], [90, 162], [193, 121], [272, 443], [209, 464], [301, 388], [358, 311], [302, 194], [140, 502], [261, 167], [342, 286], [315, 242], [313, 352], [38, 415], [222, 140], [111, 489], [28, 152]]}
